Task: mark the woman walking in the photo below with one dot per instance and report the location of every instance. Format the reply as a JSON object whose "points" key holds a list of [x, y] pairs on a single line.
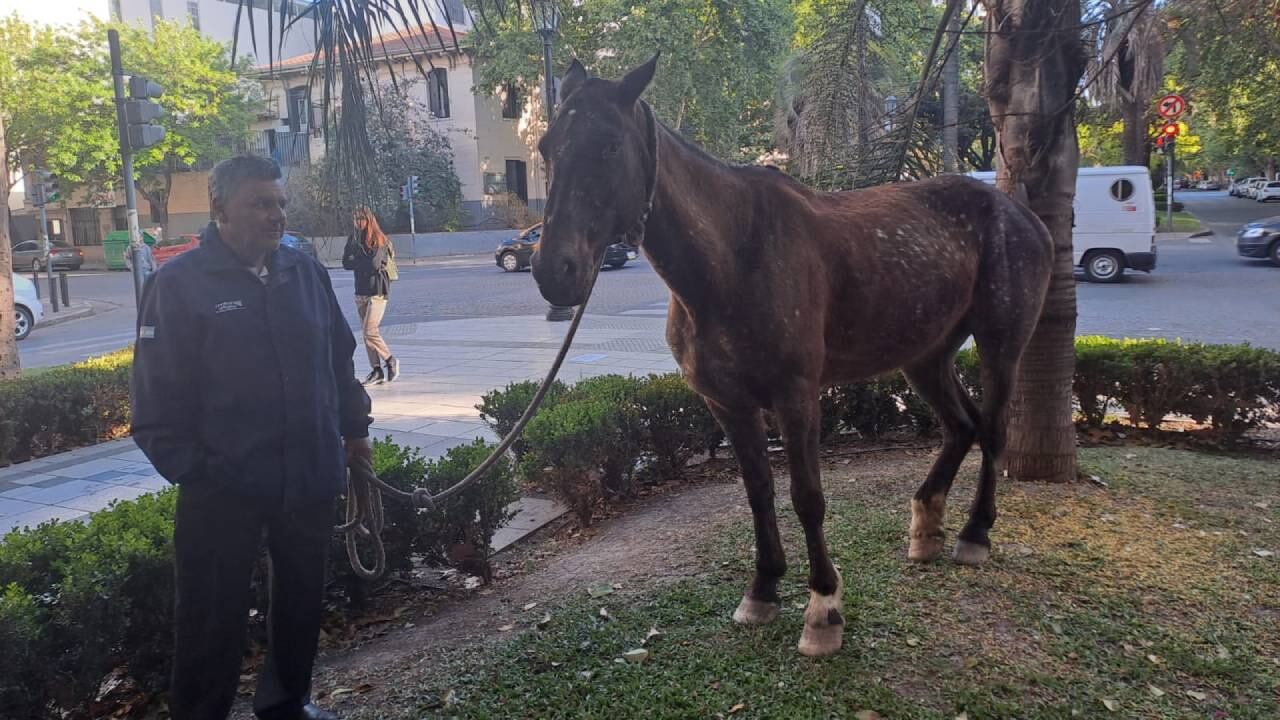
{"points": [[368, 253]]}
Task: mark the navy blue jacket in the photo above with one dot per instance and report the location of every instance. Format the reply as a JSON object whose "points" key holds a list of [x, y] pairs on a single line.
{"points": [[243, 385]]}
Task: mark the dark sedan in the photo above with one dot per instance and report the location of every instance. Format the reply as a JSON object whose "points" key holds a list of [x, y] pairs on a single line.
{"points": [[29, 255], [1260, 239], [515, 254]]}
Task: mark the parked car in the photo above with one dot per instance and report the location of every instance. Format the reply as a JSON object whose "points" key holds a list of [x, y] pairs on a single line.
{"points": [[1260, 239], [28, 310], [515, 254], [1251, 191], [1115, 219], [1268, 192], [1210, 185], [170, 248], [299, 243], [29, 255]]}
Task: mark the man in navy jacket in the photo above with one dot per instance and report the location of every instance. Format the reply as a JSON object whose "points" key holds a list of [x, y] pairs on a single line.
{"points": [[245, 396]]}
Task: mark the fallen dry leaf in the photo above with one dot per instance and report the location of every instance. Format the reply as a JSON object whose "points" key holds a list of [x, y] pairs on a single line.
{"points": [[866, 715], [544, 622], [962, 716], [1196, 695], [530, 606], [599, 590], [1263, 553], [1155, 691], [1110, 704], [506, 628], [653, 633], [636, 656], [1155, 659], [737, 708], [913, 642], [604, 613]]}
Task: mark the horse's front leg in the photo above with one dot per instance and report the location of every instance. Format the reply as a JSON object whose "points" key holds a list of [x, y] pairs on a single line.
{"points": [[746, 432], [799, 415]]}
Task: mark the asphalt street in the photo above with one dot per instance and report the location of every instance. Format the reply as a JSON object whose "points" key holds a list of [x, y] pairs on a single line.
{"points": [[1201, 290]]}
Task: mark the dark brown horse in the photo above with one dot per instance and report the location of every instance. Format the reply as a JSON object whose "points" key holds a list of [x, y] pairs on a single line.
{"points": [[778, 290]]}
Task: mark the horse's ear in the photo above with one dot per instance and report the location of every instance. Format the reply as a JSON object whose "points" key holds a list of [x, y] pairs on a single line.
{"points": [[633, 85], [573, 79]]}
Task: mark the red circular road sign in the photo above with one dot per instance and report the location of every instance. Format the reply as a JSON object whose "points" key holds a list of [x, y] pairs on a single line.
{"points": [[1171, 106]]}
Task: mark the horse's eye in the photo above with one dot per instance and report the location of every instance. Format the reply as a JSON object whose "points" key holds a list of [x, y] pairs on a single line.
{"points": [[611, 150]]}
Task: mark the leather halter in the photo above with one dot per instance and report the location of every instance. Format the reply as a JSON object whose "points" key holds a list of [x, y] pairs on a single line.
{"points": [[633, 237]]}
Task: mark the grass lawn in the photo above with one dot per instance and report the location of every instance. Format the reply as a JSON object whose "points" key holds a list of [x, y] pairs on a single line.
{"points": [[1182, 222], [1145, 599]]}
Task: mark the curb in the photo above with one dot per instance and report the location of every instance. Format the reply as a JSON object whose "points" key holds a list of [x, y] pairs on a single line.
{"points": [[75, 312]]}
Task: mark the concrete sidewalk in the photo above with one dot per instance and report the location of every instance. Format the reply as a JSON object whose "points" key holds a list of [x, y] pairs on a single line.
{"points": [[446, 367]]}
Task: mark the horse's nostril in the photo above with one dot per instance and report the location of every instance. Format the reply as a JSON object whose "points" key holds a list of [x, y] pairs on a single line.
{"points": [[569, 267]]}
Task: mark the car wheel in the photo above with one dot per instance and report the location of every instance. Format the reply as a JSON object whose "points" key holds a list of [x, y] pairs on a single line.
{"points": [[23, 322], [510, 263], [1104, 267], [1275, 253], [617, 265]]}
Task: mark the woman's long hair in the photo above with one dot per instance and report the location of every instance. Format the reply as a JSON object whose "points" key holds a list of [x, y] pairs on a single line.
{"points": [[368, 230]]}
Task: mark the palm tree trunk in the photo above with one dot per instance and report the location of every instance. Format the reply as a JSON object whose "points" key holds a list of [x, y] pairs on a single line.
{"points": [[1034, 61], [10, 365], [1135, 133]]}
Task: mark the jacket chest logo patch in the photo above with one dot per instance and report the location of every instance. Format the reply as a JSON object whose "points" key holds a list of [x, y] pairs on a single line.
{"points": [[228, 306]]}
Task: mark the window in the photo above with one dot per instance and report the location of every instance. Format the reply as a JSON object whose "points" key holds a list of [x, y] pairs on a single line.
{"points": [[157, 10], [511, 102], [495, 183], [438, 92], [518, 180], [1122, 190], [28, 246], [193, 12]]}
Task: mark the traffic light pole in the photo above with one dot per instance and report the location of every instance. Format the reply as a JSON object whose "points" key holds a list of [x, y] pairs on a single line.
{"points": [[48, 255], [1168, 184], [412, 185], [126, 157]]}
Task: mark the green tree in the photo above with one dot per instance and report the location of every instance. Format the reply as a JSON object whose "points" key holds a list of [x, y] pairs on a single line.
{"points": [[404, 143], [56, 101], [56, 95], [720, 60], [207, 107]]}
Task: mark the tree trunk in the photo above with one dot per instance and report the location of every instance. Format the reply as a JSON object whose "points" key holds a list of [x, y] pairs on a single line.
{"points": [[1034, 61], [10, 365], [1135, 133]]}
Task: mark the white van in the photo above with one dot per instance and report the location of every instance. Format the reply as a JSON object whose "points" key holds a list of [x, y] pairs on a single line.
{"points": [[1115, 220]]}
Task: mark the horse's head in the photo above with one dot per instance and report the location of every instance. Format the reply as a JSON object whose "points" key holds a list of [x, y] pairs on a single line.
{"points": [[600, 153]]}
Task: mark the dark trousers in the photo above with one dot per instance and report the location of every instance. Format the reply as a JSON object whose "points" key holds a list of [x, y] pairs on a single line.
{"points": [[217, 538]]}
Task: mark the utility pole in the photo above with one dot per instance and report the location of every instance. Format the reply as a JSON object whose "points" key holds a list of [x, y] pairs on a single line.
{"points": [[409, 190], [951, 96], [547, 19], [133, 118]]}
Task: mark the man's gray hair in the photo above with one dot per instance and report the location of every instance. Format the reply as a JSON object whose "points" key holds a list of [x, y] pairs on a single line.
{"points": [[230, 173]]}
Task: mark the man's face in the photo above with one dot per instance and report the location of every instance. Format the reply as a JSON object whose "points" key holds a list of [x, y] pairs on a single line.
{"points": [[251, 221]]}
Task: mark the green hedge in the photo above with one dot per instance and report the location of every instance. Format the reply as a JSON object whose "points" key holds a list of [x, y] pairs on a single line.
{"points": [[50, 411], [81, 599], [596, 440]]}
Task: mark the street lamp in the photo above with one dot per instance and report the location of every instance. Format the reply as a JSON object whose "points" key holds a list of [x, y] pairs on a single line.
{"points": [[546, 18]]}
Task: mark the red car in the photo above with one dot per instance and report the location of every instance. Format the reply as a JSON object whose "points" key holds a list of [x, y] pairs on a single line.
{"points": [[168, 249]]}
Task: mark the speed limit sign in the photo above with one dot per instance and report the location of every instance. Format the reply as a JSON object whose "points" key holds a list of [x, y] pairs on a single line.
{"points": [[1171, 106]]}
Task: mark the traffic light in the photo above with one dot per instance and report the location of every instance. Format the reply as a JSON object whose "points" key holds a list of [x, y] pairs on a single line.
{"points": [[1170, 130], [139, 111], [46, 189], [409, 189]]}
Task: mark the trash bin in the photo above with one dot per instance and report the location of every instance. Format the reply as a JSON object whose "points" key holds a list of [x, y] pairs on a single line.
{"points": [[116, 244]]}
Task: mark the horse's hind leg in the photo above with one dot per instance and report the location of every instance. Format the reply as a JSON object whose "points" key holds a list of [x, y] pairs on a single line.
{"points": [[746, 432], [936, 381], [999, 370], [800, 417]]}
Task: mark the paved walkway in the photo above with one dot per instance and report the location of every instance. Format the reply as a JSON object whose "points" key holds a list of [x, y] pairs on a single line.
{"points": [[446, 365]]}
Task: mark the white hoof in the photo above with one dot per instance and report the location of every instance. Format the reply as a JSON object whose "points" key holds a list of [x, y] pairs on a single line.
{"points": [[823, 623], [755, 612]]}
